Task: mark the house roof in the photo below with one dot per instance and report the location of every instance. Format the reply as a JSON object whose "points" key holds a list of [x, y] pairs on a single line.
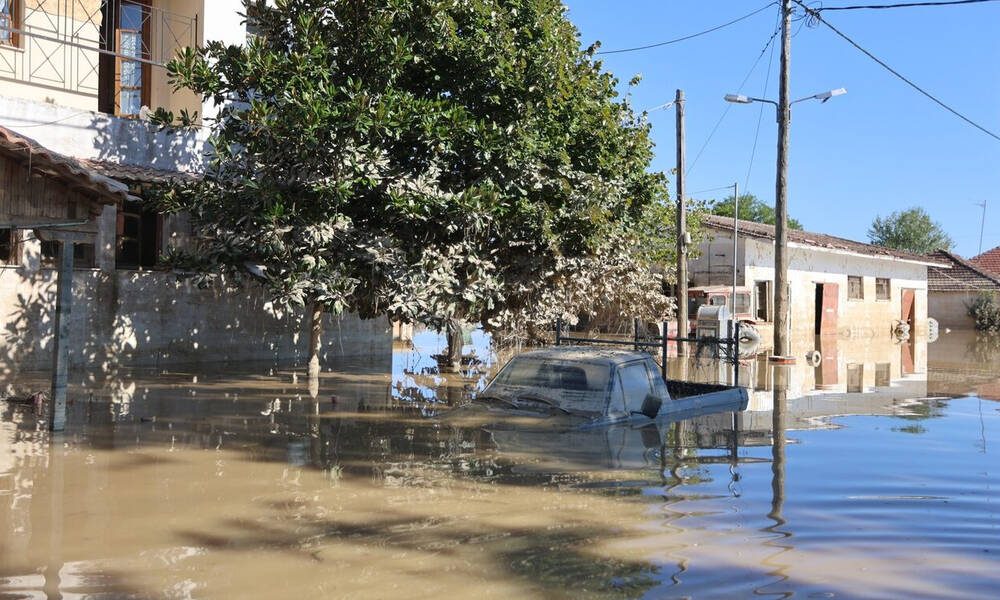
{"points": [[819, 240], [136, 173], [63, 168], [989, 260], [963, 276]]}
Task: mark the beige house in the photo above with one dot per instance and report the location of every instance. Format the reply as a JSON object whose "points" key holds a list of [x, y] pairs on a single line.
{"points": [[76, 79], [836, 286], [950, 291]]}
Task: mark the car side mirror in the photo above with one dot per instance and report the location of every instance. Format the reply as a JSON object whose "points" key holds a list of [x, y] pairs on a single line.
{"points": [[650, 406]]}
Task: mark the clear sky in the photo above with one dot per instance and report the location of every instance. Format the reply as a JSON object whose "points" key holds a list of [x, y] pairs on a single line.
{"points": [[882, 147]]}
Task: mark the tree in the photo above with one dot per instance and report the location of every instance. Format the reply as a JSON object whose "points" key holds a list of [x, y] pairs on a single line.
{"points": [[751, 209], [429, 160], [910, 230]]}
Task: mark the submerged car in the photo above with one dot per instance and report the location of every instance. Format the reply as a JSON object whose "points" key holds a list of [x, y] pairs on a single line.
{"points": [[601, 386]]}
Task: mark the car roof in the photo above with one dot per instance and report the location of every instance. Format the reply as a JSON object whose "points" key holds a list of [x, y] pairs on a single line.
{"points": [[592, 354]]}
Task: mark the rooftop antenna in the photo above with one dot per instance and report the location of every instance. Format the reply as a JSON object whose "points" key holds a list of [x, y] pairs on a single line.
{"points": [[982, 225]]}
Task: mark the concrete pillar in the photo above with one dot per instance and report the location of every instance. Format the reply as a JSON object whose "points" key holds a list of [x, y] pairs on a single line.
{"points": [[60, 335]]}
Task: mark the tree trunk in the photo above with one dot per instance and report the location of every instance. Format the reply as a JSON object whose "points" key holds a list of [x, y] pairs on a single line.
{"points": [[315, 341], [453, 356]]}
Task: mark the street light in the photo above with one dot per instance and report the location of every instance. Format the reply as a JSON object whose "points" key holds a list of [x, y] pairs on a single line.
{"points": [[783, 110]]}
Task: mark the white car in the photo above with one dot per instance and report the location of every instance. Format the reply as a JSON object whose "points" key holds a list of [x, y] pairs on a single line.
{"points": [[603, 386]]}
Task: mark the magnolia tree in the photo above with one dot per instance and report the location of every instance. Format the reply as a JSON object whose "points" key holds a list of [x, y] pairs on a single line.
{"points": [[434, 161]]}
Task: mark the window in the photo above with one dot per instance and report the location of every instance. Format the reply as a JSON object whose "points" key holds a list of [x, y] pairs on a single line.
{"points": [[883, 374], [83, 255], [855, 378], [9, 19], [635, 382], [132, 43], [9, 254], [855, 288], [762, 290], [742, 303], [881, 288], [138, 239]]}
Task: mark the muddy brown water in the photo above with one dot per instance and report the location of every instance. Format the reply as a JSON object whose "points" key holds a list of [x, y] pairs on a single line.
{"points": [[871, 475]]}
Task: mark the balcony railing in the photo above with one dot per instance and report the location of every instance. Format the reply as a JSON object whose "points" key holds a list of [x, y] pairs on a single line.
{"points": [[60, 42]]}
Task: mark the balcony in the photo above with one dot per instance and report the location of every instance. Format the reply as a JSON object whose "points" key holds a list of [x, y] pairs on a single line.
{"points": [[104, 55]]}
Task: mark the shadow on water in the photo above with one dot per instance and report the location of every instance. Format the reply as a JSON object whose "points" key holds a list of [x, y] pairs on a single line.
{"points": [[245, 483]]}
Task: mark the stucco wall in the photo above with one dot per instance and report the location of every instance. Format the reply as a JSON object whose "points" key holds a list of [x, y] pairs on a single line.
{"points": [[951, 309], [134, 318], [808, 266]]}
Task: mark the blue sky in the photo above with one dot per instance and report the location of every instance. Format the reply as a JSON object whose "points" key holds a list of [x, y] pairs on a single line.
{"points": [[882, 147]]}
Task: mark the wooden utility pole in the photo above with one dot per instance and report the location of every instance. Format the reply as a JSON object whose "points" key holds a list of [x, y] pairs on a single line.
{"points": [[682, 267], [781, 347], [60, 351]]}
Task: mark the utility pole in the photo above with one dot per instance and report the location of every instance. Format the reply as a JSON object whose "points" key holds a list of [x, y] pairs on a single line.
{"points": [[982, 225], [682, 267], [781, 347]]}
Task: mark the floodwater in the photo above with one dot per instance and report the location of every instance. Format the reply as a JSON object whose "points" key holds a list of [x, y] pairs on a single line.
{"points": [[873, 474]]}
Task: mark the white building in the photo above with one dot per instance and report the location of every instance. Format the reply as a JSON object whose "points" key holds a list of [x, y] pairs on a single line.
{"points": [[836, 286], [74, 78]]}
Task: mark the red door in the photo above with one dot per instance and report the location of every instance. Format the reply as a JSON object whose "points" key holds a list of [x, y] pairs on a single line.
{"points": [[828, 320], [908, 306]]}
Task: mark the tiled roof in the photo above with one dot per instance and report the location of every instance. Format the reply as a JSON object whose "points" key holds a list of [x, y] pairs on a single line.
{"points": [[989, 260], [818, 240], [963, 276], [61, 167], [136, 173]]}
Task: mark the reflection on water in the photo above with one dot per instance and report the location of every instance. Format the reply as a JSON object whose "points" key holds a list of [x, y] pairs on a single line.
{"points": [[246, 483]]}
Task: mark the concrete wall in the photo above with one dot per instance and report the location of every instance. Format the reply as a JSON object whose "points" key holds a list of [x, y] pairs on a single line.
{"points": [[93, 135], [152, 318], [951, 309], [807, 267]]}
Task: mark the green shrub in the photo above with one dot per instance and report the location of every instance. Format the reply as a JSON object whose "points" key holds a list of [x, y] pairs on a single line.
{"points": [[985, 309]]}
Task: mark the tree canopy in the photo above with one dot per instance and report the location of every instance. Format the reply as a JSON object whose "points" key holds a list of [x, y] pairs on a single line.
{"points": [[751, 209], [429, 160], [910, 230]]}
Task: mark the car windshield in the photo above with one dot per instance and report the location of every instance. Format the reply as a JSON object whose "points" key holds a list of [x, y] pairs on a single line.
{"points": [[570, 385]]}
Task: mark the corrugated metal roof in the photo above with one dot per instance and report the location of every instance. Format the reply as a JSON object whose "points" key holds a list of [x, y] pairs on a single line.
{"points": [[817, 240], [64, 168], [963, 276]]}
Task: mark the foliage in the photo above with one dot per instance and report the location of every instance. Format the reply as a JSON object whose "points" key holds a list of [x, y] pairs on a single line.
{"points": [[910, 230], [751, 209], [425, 159], [985, 310]]}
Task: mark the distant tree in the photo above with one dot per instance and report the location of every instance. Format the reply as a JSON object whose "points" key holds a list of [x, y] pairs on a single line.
{"points": [[910, 230], [751, 209]]}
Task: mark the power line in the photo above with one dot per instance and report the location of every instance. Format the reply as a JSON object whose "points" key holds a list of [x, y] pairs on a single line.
{"points": [[940, 103], [904, 5], [760, 113], [729, 105], [688, 37], [725, 187]]}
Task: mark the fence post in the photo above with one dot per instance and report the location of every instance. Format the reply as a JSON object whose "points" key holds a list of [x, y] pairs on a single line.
{"points": [[558, 330], [635, 333], [663, 350]]}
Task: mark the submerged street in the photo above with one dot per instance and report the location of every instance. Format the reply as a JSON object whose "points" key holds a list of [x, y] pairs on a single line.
{"points": [[234, 483]]}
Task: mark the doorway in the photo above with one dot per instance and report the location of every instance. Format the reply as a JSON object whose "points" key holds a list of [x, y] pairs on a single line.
{"points": [[826, 308], [907, 314]]}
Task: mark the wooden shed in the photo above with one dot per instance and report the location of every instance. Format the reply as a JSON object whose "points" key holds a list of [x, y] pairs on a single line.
{"points": [[60, 200]]}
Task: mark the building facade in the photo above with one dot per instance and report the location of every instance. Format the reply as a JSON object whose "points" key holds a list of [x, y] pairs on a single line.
{"points": [[836, 286], [951, 291], [77, 78]]}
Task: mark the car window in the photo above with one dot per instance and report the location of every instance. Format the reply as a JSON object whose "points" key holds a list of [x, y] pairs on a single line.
{"points": [[616, 405], [635, 382], [717, 301]]}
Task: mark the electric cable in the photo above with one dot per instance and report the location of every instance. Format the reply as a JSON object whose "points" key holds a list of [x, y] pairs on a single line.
{"points": [[815, 15], [729, 105], [688, 37], [760, 113], [903, 5]]}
